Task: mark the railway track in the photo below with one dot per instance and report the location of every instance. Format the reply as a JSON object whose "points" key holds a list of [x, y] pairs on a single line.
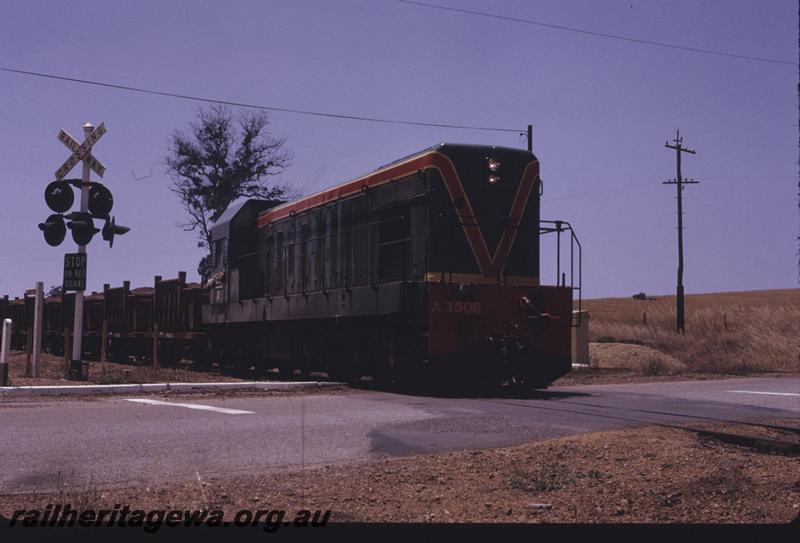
{"points": [[783, 439]]}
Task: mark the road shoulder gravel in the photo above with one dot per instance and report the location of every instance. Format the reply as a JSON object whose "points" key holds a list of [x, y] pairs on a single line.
{"points": [[644, 475]]}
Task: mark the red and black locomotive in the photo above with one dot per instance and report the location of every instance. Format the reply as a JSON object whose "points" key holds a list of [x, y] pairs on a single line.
{"points": [[426, 266]]}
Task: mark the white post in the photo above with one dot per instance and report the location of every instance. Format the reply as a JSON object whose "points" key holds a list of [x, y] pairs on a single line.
{"points": [[5, 350], [36, 356], [78, 324]]}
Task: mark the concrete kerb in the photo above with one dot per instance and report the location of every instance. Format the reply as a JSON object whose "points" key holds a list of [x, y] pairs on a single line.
{"points": [[23, 391]]}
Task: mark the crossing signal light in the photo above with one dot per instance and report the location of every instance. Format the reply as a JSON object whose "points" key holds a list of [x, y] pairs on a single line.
{"points": [[59, 196], [100, 201], [82, 227], [54, 229], [111, 229]]}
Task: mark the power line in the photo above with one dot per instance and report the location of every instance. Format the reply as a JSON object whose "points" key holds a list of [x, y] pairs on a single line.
{"points": [[100, 256], [598, 34], [256, 106]]}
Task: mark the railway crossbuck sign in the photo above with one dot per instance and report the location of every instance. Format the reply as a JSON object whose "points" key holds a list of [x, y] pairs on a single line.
{"points": [[81, 151]]}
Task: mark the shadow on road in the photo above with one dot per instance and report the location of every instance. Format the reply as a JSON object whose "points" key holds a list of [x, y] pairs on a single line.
{"points": [[466, 391], [462, 389]]}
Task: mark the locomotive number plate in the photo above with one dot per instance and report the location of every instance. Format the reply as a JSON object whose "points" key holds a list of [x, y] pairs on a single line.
{"points": [[456, 307]]}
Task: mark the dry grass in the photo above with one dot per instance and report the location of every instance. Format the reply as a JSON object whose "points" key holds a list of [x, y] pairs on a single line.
{"points": [[637, 358], [735, 332]]}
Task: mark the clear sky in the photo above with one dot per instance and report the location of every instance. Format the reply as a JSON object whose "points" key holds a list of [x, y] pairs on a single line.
{"points": [[602, 110]]}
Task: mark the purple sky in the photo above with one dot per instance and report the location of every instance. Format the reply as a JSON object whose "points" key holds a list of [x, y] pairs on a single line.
{"points": [[602, 110]]}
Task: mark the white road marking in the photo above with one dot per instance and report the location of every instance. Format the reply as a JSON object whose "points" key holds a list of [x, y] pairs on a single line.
{"points": [[193, 406], [768, 393]]}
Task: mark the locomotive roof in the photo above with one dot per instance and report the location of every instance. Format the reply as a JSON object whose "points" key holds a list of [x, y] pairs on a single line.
{"points": [[432, 148], [221, 228], [442, 145]]}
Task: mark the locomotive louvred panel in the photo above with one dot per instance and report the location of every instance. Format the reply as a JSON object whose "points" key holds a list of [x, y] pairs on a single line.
{"points": [[269, 260], [394, 242], [361, 248], [302, 266], [277, 270], [293, 258], [317, 251], [332, 247]]}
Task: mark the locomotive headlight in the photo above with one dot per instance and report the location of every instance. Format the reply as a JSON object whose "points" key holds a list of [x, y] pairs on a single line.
{"points": [[493, 164], [494, 179]]}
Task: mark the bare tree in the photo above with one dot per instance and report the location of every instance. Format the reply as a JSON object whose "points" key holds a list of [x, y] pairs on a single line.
{"points": [[221, 159]]}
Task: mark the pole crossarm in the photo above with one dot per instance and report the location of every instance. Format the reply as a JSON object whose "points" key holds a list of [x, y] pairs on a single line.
{"points": [[681, 149]]}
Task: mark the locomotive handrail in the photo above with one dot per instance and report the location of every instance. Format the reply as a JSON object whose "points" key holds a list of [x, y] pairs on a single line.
{"points": [[563, 226]]}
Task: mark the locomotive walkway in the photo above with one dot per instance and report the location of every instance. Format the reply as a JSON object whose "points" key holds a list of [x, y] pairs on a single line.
{"points": [[51, 443]]}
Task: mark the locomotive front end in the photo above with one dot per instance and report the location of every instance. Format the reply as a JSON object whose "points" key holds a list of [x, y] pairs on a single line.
{"points": [[487, 313], [509, 333]]}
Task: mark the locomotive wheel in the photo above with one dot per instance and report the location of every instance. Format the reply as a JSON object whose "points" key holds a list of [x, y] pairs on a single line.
{"points": [[345, 369], [539, 385], [413, 375], [343, 374], [286, 368], [518, 384], [385, 365]]}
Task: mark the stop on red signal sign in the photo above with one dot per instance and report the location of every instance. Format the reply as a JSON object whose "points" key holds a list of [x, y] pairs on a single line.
{"points": [[74, 272]]}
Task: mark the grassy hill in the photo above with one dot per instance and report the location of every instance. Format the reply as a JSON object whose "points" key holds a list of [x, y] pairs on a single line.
{"points": [[728, 332]]}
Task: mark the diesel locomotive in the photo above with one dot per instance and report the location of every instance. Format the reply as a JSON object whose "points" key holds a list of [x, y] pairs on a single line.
{"points": [[428, 266]]}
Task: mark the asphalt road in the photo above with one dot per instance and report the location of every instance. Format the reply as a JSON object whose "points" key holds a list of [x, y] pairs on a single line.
{"points": [[75, 444]]}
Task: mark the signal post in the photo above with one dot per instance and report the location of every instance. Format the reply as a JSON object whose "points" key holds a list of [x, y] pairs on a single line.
{"points": [[96, 203], [75, 366]]}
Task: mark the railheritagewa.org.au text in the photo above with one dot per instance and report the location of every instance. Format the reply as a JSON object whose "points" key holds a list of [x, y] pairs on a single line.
{"points": [[64, 515]]}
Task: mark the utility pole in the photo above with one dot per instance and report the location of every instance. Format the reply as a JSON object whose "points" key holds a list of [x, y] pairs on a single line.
{"points": [[530, 138], [679, 182]]}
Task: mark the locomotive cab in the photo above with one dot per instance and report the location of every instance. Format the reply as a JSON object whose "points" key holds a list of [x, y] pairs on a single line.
{"points": [[235, 275]]}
